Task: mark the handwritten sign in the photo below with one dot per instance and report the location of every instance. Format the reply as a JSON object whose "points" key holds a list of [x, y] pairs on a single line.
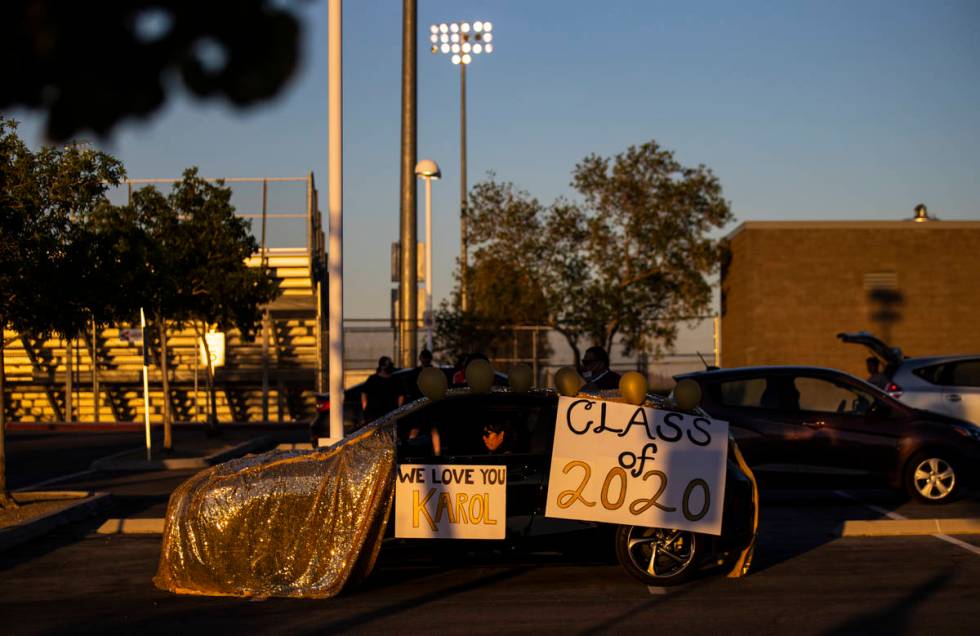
{"points": [[435, 501], [631, 465]]}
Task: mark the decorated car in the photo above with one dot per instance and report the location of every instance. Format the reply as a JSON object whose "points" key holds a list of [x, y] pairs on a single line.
{"points": [[495, 464]]}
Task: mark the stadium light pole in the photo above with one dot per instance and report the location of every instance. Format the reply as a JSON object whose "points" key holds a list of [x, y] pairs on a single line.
{"points": [[428, 170], [462, 41], [335, 255]]}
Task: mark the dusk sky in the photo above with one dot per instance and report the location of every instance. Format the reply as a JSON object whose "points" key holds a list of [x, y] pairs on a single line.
{"points": [[804, 111]]}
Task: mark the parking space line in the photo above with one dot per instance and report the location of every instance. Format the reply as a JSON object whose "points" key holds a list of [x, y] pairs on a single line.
{"points": [[879, 510], [963, 544], [894, 515], [55, 480]]}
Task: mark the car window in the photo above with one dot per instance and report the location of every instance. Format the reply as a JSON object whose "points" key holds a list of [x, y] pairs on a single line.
{"points": [[541, 428], [965, 373], [459, 424], [932, 374], [743, 392], [817, 394]]}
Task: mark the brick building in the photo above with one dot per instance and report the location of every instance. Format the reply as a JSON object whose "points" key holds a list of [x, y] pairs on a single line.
{"points": [[789, 287]]}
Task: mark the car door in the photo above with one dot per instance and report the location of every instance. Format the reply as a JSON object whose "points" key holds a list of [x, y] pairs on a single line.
{"points": [[961, 390], [851, 427], [763, 417]]}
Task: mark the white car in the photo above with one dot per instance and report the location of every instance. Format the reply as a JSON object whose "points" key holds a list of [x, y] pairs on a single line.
{"points": [[943, 384]]}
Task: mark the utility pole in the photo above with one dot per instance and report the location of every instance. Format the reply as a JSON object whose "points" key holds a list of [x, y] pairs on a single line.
{"points": [[408, 284]]}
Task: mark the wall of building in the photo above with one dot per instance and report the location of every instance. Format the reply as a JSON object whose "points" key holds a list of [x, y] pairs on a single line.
{"points": [[789, 287]]}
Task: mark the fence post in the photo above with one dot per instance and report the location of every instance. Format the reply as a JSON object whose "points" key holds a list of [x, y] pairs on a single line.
{"points": [[534, 355]]}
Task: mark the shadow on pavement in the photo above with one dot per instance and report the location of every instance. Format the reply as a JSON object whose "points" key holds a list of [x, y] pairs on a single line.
{"points": [[56, 539], [402, 561], [210, 613], [893, 618], [799, 513]]}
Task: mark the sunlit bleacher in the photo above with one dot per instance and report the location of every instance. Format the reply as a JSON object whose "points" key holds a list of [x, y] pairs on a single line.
{"points": [[270, 379]]}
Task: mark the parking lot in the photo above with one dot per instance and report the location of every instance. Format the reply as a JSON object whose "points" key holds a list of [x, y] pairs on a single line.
{"points": [[806, 578]]}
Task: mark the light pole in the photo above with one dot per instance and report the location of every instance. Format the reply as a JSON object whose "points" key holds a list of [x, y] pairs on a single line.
{"points": [[428, 170], [335, 255], [462, 40]]}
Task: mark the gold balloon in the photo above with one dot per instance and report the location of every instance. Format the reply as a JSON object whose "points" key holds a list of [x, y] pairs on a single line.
{"points": [[521, 378], [633, 387], [432, 382], [687, 394], [568, 381], [479, 375]]}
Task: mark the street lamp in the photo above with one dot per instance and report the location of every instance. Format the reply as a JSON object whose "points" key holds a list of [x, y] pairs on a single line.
{"points": [[462, 41], [428, 170]]}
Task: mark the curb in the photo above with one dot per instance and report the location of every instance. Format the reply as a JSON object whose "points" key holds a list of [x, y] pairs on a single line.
{"points": [[88, 505], [131, 526], [908, 527], [116, 462]]}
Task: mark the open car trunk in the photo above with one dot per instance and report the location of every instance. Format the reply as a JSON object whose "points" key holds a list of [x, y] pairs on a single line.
{"points": [[891, 355]]}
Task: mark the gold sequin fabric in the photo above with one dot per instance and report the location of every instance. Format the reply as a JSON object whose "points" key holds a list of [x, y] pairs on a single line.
{"points": [[296, 523]]}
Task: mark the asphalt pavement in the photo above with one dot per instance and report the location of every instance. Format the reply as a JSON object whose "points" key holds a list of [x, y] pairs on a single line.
{"points": [[806, 578]]}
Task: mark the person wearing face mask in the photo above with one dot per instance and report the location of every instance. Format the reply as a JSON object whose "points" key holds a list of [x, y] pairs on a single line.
{"points": [[596, 372], [381, 391]]}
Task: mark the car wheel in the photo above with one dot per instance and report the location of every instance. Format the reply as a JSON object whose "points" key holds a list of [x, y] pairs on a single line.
{"points": [[657, 556], [932, 477]]}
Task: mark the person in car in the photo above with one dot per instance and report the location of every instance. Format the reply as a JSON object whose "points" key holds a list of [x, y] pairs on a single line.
{"points": [[498, 438], [596, 372]]}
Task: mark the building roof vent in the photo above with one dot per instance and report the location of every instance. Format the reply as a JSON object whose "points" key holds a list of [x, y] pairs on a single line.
{"points": [[922, 214]]}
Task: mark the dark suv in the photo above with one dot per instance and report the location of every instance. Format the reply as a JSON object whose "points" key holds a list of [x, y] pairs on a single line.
{"points": [[809, 419]]}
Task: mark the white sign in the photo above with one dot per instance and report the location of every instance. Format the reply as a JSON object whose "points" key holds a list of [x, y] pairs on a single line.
{"points": [[216, 345], [450, 501], [632, 465]]}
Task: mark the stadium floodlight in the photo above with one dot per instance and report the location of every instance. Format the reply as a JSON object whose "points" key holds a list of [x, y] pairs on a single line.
{"points": [[462, 41], [465, 40]]}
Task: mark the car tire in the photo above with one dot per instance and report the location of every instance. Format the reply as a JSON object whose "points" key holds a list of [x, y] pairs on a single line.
{"points": [[933, 477], [657, 556]]}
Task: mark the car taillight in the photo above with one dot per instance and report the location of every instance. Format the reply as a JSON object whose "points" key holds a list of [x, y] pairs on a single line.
{"points": [[893, 390]]}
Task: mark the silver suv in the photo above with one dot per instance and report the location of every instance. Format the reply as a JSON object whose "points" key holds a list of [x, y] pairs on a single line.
{"points": [[943, 384]]}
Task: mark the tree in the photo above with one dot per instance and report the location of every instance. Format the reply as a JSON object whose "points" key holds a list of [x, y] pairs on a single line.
{"points": [[52, 271], [625, 264], [90, 65], [504, 288], [197, 264], [648, 220]]}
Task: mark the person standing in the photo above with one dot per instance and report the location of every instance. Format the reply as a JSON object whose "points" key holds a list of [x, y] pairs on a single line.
{"points": [[410, 386], [381, 391], [875, 376], [596, 372]]}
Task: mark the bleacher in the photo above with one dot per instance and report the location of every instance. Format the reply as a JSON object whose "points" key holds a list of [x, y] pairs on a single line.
{"points": [[284, 358]]}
